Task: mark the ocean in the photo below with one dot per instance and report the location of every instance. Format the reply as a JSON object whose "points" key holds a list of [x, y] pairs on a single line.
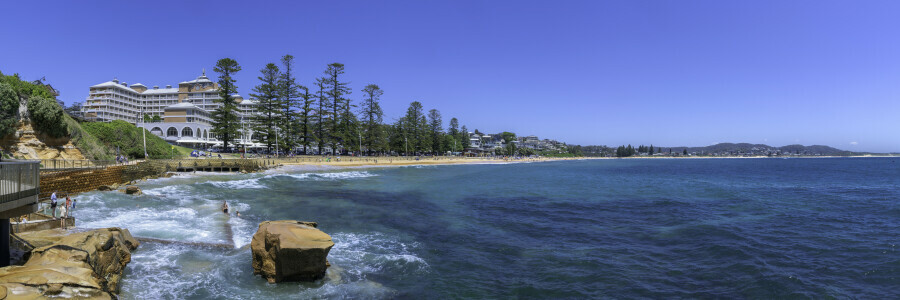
{"points": [[629, 228]]}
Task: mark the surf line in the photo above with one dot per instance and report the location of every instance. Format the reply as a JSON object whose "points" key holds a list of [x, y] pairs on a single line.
{"points": [[225, 246], [229, 234]]}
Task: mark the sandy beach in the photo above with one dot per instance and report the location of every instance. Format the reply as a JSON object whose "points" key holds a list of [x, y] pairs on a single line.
{"points": [[402, 161]]}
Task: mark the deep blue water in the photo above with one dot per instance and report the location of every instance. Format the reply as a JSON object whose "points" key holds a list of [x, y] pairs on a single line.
{"points": [[632, 228]]}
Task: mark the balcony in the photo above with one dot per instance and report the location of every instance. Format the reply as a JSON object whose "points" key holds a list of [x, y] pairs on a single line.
{"points": [[19, 188]]}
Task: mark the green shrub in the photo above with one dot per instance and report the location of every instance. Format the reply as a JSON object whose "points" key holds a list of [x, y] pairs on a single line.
{"points": [[9, 106], [24, 88], [47, 116]]}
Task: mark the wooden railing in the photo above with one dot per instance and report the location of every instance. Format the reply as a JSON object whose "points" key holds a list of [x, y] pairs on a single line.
{"points": [[19, 179]]}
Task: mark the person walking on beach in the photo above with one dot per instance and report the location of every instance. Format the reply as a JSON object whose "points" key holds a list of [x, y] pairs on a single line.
{"points": [[53, 204]]}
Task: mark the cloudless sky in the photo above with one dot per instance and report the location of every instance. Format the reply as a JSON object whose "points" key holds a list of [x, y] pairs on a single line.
{"points": [[669, 73]]}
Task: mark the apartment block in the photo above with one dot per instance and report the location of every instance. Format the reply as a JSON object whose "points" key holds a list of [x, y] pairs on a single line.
{"points": [[184, 111]]}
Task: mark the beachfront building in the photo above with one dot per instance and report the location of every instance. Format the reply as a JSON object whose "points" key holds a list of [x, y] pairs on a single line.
{"points": [[180, 115], [480, 143]]}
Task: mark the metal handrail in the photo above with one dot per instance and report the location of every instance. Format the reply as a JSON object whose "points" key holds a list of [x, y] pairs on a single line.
{"points": [[69, 164]]}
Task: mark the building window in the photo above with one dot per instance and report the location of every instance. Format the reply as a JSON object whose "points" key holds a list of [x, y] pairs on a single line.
{"points": [[172, 132], [187, 132]]}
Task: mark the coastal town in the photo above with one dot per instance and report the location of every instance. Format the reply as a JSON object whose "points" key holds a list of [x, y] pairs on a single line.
{"points": [[181, 116], [449, 149]]}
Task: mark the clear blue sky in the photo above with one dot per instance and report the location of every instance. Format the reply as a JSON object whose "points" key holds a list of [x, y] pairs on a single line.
{"points": [[594, 72]]}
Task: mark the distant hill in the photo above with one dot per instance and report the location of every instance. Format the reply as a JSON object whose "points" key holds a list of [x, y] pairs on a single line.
{"points": [[762, 149], [725, 149]]}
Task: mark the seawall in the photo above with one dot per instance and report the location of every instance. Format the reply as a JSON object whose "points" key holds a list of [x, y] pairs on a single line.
{"points": [[85, 180]]}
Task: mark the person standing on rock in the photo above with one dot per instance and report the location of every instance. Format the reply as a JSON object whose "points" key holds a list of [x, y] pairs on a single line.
{"points": [[69, 206], [63, 214], [53, 204]]}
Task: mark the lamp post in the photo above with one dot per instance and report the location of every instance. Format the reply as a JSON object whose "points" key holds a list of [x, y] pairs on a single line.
{"points": [[143, 133]]}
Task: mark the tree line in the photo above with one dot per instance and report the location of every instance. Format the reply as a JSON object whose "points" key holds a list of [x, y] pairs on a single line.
{"points": [[626, 151], [322, 118]]}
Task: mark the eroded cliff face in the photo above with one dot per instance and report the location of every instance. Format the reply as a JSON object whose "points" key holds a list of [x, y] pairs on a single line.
{"points": [[28, 144]]}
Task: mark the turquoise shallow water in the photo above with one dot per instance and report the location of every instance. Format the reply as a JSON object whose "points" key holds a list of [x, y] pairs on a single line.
{"points": [[653, 228]]}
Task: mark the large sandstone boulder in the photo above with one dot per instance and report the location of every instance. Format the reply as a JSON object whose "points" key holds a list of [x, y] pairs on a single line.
{"points": [[80, 265], [290, 251]]}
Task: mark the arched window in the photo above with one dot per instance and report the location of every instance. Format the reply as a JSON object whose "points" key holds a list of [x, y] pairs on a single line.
{"points": [[187, 131], [172, 131], [156, 131], [205, 134]]}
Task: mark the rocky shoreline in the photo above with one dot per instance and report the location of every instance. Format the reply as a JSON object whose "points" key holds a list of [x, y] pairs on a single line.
{"points": [[85, 264]]}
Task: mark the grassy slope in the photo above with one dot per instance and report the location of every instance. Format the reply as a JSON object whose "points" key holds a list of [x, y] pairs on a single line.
{"points": [[90, 146], [129, 140]]}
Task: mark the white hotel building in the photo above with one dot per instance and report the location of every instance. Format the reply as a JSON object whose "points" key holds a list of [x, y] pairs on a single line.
{"points": [[185, 110]]}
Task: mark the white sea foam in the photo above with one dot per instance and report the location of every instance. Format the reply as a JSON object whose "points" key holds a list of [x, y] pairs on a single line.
{"points": [[156, 274], [181, 223], [242, 231], [166, 190], [332, 176], [250, 183], [258, 182], [372, 253]]}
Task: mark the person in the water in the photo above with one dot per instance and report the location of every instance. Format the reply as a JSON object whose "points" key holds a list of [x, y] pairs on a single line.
{"points": [[225, 207]]}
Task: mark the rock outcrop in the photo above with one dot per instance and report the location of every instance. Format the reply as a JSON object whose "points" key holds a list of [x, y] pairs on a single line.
{"points": [[28, 144], [290, 251], [133, 190], [79, 265]]}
